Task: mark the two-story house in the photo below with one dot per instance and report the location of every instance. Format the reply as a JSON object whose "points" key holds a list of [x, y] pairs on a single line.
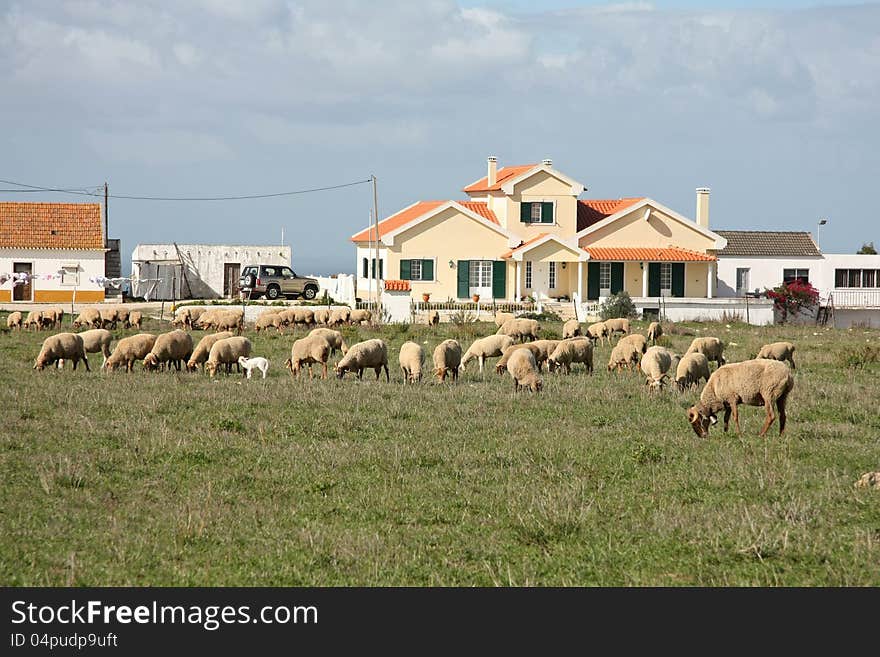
{"points": [[523, 230]]}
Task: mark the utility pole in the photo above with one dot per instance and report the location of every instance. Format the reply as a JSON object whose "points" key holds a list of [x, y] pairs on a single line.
{"points": [[106, 215], [376, 219]]}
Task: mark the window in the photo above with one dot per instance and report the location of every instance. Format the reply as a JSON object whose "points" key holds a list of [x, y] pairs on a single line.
{"points": [[70, 275], [415, 269], [529, 274], [537, 212], [552, 275], [666, 279], [856, 277], [481, 273], [287, 272], [605, 277], [742, 280], [789, 275]]}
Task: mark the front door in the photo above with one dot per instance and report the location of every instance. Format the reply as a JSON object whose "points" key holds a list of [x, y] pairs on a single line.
{"points": [[22, 292], [231, 272], [541, 278], [481, 278]]}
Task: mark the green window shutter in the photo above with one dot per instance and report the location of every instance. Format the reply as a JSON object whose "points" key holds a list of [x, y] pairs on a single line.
{"points": [[464, 279], [382, 269], [547, 213], [366, 270], [678, 279], [653, 279], [616, 277], [404, 270], [592, 280], [525, 213], [499, 279], [427, 270]]}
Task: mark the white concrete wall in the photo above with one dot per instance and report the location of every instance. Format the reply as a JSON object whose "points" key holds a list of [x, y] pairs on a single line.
{"points": [[362, 285], [397, 305], [765, 272], [49, 261], [205, 262]]}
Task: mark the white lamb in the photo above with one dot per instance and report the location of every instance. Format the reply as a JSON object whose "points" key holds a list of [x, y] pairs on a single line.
{"points": [[250, 364]]}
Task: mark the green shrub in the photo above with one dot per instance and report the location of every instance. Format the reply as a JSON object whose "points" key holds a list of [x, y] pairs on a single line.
{"points": [[546, 316], [617, 306]]}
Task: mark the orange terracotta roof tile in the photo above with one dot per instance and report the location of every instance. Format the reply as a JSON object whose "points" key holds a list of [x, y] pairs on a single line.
{"points": [[508, 254], [647, 254], [503, 175], [415, 211], [51, 225], [592, 211], [397, 286]]}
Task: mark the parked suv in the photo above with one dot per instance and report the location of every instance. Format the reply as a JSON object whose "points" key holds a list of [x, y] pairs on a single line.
{"points": [[275, 281]]}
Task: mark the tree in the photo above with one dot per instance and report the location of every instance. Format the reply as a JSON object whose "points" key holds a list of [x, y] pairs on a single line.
{"points": [[867, 249], [793, 298], [618, 305]]}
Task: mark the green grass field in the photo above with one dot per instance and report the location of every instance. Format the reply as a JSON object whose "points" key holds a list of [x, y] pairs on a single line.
{"points": [[178, 479]]}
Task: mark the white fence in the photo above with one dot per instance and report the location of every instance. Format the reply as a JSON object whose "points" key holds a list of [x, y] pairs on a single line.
{"points": [[686, 309]]}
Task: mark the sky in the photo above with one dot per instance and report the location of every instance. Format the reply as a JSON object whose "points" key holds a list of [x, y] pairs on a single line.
{"points": [[773, 105]]}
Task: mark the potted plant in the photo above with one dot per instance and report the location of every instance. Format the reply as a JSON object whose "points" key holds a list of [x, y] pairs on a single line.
{"points": [[476, 298], [426, 296]]}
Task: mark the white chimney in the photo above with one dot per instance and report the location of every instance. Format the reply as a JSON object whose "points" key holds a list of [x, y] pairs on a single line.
{"points": [[703, 206], [547, 162], [493, 170]]}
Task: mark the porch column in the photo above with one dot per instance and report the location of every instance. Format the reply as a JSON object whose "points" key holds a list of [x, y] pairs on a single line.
{"points": [[644, 279], [581, 281], [516, 269], [710, 279]]}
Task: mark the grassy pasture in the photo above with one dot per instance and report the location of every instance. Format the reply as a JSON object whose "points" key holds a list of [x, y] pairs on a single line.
{"points": [[178, 479]]}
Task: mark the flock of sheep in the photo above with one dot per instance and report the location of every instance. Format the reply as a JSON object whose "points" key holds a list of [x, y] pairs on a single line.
{"points": [[766, 380]]}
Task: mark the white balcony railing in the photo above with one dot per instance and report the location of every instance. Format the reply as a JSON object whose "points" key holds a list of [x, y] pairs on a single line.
{"points": [[855, 298]]}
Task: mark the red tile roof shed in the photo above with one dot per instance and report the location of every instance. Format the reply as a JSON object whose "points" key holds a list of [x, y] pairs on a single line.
{"points": [[51, 225]]}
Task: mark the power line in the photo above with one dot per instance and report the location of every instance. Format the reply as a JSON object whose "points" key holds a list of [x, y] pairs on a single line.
{"points": [[37, 188]]}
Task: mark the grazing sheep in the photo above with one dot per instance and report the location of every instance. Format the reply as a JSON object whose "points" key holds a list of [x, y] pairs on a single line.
{"points": [[655, 366], [617, 325], [109, 317], [257, 363], [68, 346], [598, 332], [447, 359], [307, 351], [47, 318], [122, 314], [368, 354], [227, 352], [411, 359], [523, 370], [203, 349], [230, 320], [483, 348], [322, 316], [500, 318], [655, 330], [625, 354], [269, 320], [537, 352], [59, 317], [360, 317], [337, 342], [637, 340], [34, 318], [187, 317], [520, 329], [129, 350], [14, 320], [88, 317], [339, 316], [135, 319], [690, 369], [754, 382], [778, 351], [544, 349], [571, 329], [711, 348], [95, 340], [572, 350], [173, 348], [433, 318], [304, 317], [868, 480], [207, 319]]}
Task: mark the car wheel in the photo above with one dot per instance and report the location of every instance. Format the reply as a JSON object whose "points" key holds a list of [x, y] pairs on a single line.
{"points": [[310, 293], [249, 280], [273, 292]]}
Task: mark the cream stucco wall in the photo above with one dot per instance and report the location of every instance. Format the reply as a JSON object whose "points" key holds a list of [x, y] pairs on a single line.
{"points": [[450, 235], [659, 231], [551, 252], [542, 187], [695, 276], [632, 279]]}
